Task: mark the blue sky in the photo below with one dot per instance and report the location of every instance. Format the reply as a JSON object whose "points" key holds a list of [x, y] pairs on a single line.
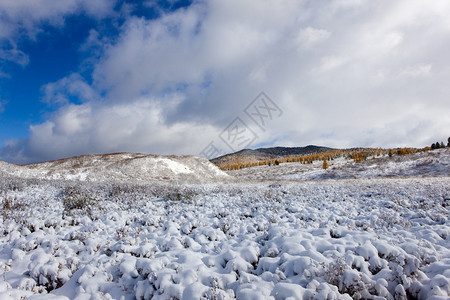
{"points": [[80, 77], [53, 53]]}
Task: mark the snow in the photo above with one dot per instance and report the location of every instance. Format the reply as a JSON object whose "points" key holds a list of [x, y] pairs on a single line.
{"points": [[341, 238], [174, 166], [430, 163], [124, 167]]}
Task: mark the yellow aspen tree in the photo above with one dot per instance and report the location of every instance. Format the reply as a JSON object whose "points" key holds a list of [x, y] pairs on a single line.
{"points": [[325, 164]]}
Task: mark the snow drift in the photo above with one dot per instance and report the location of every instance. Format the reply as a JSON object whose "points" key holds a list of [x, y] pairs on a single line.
{"points": [[120, 167]]}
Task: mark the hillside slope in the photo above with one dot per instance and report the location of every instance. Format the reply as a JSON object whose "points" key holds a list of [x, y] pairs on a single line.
{"points": [[261, 154], [429, 163], [120, 167]]}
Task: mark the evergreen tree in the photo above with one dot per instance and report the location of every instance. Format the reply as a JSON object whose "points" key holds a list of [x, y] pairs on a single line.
{"points": [[442, 145], [433, 146], [438, 145], [448, 144]]}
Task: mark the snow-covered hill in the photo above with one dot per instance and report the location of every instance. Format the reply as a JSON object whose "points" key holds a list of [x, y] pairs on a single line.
{"points": [[130, 167], [431, 163]]}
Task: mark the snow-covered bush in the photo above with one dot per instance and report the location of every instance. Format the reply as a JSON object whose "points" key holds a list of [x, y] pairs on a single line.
{"points": [[180, 193], [11, 184], [79, 199], [13, 208]]}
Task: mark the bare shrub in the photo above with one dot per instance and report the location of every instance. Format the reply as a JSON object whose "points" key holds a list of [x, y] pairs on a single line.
{"points": [[78, 199], [181, 193], [11, 208]]}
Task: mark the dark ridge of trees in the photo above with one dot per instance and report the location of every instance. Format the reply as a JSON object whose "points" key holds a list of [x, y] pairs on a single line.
{"points": [[440, 145]]}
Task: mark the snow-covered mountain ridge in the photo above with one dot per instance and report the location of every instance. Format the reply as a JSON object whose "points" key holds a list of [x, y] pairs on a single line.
{"points": [[128, 167]]}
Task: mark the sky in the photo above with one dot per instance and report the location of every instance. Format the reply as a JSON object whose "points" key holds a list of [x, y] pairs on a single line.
{"points": [[212, 77]]}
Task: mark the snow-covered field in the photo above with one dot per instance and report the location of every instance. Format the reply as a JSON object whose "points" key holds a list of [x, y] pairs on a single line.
{"points": [[370, 238]]}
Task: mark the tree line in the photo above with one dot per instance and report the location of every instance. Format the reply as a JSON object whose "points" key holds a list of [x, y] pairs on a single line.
{"points": [[357, 155], [440, 145]]}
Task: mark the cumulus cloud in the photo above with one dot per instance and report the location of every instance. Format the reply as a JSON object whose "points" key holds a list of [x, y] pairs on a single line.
{"points": [[327, 56], [345, 73], [90, 128]]}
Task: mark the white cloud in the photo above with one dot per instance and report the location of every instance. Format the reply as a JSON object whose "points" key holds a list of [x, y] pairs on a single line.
{"points": [[30, 14], [346, 73], [72, 86], [14, 151], [309, 37], [135, 127], [14, 55], [331, 62], [417, 70]]}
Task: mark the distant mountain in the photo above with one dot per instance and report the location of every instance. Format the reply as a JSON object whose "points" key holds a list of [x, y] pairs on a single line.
{"points": [[120, 167], [262, 154]]}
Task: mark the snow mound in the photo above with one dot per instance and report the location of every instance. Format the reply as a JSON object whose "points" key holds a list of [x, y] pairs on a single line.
{"points": [[128, 167]]}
